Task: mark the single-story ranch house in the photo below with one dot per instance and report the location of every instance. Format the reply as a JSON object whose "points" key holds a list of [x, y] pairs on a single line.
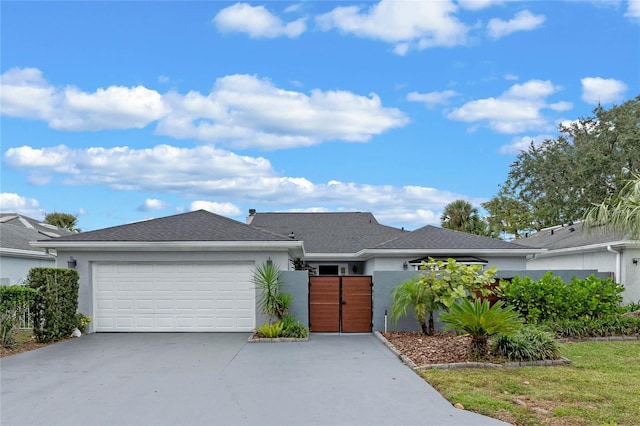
{"points": [[17, 255], [193, 271]]}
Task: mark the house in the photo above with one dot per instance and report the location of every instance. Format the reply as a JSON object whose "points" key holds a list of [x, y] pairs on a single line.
{"points": [[571, 247], [193, 271], [17, 256]]}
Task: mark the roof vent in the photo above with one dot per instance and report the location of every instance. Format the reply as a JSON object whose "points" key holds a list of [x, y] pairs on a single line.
{"points": [[552, 232], [572, 229], [292, 235]]}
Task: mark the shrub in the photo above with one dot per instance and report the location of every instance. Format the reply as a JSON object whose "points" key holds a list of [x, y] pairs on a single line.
{"points": [[15, 301], [613, 325], [551, 299], [293, 328], [530, 343], [82, 322], [480, 321], [55, 304], [270, 330], [632, 307]]}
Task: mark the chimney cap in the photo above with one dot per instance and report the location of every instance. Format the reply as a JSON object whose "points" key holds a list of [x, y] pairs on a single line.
{"points": [[252, 212]]}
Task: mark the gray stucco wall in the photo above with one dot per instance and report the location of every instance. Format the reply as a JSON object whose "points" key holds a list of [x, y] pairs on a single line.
{"points": [[14, 270], [383, 282], [297, 284]]}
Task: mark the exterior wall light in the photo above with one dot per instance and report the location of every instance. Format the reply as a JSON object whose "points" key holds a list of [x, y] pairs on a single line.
{"points": [[71, 263]]}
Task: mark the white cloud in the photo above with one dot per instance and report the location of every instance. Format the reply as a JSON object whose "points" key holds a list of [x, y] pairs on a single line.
{"points": [[245, 111], [241, 111], [14, 203], [522, 21], [224, 209], [151, 204], [205, 173], [511, 77], [432, 99], [601, 90], [257, 22], [24, 93], [478, 4], [522, 144], [517, 110], [405, 24], [112, 108], [633, 9]]}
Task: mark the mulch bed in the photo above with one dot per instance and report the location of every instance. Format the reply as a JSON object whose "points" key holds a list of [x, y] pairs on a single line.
{"points": [[437, 349]]}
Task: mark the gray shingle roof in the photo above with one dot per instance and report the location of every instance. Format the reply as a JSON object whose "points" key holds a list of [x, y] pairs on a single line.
{"points": [[16, 231], [334, 232], [199, 225], [559, 237], [432, 237]]}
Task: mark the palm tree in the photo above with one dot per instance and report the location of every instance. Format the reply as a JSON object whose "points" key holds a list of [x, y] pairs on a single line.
{"points": [[63, 220], [481, 321], [412, 293], [460, 215], [620, 213]]}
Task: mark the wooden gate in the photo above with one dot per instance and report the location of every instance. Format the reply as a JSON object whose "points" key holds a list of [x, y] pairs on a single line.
{"points": [[340, 304]]}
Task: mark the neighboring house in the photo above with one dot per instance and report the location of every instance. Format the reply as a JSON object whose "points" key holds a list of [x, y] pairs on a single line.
{"points": [[570, 247], [17, 256], [193, 271]]}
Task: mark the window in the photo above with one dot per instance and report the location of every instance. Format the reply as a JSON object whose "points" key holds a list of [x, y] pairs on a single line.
{"points": [[328, 270]]}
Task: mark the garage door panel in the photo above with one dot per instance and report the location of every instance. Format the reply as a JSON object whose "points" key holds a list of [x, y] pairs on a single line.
{"points": [[174, 297]]}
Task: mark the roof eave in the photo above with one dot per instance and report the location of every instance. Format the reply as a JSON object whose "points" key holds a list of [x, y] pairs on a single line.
{"points": [[369, 253], [590, 248], [292, 246], [30, 254]]}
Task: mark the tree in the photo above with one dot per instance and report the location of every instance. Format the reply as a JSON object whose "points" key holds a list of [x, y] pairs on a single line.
{"points": [[620, 213], [508, 215], [558, 180], [438, 286], [460, 215], [63, 220]]}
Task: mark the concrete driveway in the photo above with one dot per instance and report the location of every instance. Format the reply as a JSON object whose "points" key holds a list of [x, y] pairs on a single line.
{"points": [[219, 379]]}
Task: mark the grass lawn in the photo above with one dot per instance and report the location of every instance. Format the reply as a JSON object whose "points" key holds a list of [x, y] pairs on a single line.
{"points": [[600, 387]]}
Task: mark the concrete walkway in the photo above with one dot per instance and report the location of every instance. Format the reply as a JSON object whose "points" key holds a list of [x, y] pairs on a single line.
{"points": [[219, 379]]}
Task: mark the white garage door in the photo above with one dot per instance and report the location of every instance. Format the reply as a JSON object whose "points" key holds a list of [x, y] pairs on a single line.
{"points": [[174, 296]]}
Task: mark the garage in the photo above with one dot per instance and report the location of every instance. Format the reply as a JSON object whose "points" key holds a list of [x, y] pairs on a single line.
{"points": [[173, 296]]}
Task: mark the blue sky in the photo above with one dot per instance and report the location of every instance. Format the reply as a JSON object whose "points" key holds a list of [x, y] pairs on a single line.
{"points": [[124, 111]]}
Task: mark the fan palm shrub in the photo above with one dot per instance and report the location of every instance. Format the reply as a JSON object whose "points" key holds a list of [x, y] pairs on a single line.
{"points": [[413, 294], [480, 321]]}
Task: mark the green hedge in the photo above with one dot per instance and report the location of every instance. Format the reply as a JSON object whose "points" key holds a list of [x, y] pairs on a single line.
{"points": [[550, 299], [15, 301], [55, 305], [613, 325]]}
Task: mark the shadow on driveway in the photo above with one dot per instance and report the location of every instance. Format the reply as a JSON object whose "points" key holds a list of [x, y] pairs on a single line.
{"points": [[219, 379]]}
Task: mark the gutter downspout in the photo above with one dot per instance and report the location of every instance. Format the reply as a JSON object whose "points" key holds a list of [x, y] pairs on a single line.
{"points": [[618, 266]]}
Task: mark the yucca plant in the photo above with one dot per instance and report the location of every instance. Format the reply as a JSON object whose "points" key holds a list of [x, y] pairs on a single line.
{"points": [[272, 302], [481, 321]]}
